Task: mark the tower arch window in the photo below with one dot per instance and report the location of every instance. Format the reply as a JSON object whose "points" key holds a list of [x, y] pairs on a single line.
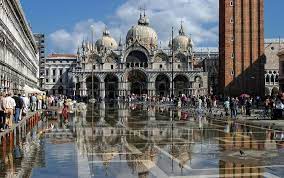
{"points": [[267, 79]]}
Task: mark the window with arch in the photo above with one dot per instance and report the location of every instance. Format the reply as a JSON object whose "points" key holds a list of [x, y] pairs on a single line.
{"points": [[267, 79], [276, 78], [272, 79]]}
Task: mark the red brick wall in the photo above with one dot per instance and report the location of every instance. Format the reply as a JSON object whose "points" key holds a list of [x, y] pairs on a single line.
{"points": [[247, 47]]}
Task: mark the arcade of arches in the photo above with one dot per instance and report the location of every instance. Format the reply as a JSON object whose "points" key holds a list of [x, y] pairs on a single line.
{"points": [[137, 82]]}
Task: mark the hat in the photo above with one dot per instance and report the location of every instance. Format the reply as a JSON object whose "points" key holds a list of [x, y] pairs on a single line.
{"points": [[24, 95]]}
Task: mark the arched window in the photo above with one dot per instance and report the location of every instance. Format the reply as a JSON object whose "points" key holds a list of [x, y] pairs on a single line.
{"points": [[267, 79], [272, 79], [276, 78]]}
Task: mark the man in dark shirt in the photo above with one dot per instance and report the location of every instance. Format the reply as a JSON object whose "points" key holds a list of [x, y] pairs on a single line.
{"points": [[18, 108]]}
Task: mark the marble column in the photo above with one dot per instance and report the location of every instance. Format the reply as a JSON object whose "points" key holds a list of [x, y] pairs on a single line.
{"points": [[171, 86], [102, 90], [83, 89], [121, 89], [151, 89]]}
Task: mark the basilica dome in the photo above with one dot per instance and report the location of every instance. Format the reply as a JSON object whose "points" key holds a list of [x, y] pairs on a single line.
{"points": [[182, 42], [142, 32], [106, 41]]}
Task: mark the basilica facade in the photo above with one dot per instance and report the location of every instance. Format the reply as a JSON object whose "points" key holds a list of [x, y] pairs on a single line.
{"points": [[139, 66]]}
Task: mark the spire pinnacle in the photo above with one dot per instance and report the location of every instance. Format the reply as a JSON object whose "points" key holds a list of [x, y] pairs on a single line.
{"points": [[181, 31], [143, 20], [120, 41], [106, 32]]}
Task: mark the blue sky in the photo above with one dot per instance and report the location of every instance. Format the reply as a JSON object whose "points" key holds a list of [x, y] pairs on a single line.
{"points": [[67, 22]]}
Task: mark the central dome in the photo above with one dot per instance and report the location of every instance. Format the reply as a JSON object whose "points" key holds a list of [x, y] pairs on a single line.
{"points": [[143, 33], [106, 42]]}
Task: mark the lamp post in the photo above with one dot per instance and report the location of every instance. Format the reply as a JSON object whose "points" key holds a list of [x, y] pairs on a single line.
{"points": [[92, 100], [172, 50], [93, 79]]}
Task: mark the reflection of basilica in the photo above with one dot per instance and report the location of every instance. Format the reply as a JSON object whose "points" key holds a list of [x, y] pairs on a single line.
{"points": [[140, 66], [138, 145], [141, 139]]}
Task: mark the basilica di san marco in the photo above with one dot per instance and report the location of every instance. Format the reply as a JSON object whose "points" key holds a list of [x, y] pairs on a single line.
{"points": [[139, 66]]}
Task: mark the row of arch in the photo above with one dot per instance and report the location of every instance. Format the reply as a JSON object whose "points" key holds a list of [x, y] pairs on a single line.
{"points": [[138, 84], [140, 56], [271, 78], [11, 82]]}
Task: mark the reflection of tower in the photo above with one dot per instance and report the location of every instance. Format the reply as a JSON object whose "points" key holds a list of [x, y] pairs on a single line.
{"points": [[228, 168], [234, 141]]}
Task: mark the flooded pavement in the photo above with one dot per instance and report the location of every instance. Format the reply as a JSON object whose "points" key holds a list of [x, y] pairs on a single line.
{"points": [[121, 140]]}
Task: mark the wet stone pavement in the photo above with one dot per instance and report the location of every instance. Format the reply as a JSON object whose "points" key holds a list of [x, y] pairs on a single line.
{"points": [[119, 140]]}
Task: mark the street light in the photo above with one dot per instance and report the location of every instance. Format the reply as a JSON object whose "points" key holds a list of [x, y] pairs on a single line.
{"points": [[172, 47], [92, 100]]}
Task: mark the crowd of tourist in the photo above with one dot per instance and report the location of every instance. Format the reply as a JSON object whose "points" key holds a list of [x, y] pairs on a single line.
{"points": [[233, 106], [14, 107]]}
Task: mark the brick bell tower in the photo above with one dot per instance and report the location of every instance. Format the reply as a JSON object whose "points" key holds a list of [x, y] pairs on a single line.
{"points": [[241, 47]]}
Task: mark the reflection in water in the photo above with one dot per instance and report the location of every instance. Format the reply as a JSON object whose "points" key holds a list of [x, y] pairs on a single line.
{"points": [[130, 140]]}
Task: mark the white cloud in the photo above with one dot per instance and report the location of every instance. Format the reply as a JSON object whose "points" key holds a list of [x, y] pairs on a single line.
{"points": [[200, 19]]}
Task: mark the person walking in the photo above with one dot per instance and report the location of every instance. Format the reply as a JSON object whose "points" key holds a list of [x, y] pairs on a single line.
{"points": [[248, 107], [65, 111], [226, 107], [33, 102], [209, 104], [18, 107], [39, 101], [199, 103], [44, 101], [2, 113], [9, 105], [26, 104], [233, 107]]}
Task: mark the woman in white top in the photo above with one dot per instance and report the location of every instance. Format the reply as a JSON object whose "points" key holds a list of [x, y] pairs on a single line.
{"points": [[26, 106], [9, 105]]}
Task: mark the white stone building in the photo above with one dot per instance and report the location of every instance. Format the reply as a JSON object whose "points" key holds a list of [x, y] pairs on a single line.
{"points": [[58, 78], [40, 43], [18, 51], [208, 58], [139, 66], [281, 69], [272, 47]]}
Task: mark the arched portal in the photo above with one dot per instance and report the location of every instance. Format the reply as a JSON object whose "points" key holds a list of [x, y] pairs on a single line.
{"points": [[181, 85], [138, 82], [96, 85], [162, 85], [111, 86], [137, 59], [60, 90]]}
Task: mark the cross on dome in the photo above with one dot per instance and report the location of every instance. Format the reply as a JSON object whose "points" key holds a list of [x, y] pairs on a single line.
{"points": [[106, 32], [181, 31], [143, 20]]}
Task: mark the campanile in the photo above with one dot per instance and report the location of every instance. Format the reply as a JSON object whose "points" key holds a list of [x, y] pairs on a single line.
{"points": [[241, 47]]}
